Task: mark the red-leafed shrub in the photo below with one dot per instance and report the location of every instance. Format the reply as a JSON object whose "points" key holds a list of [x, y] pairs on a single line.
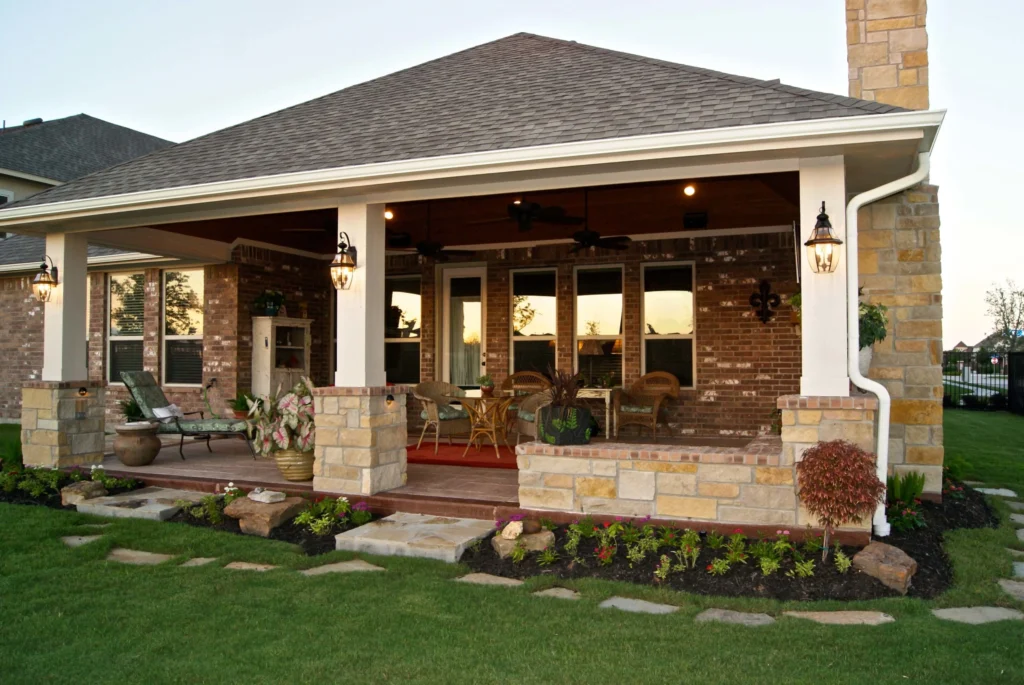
{"points": [[838, 485]]}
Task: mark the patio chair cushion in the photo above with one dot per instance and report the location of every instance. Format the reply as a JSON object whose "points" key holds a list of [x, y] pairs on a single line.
{"points": [[527, 416], [446, 413], [145, 390], [635, 409], [205, 426]]}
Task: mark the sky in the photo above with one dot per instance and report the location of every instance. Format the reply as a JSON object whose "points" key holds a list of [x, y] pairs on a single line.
{"points": [[184, 68]]}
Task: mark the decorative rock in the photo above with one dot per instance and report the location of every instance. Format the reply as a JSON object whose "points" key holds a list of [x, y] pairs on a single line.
{"points": [[153, 503], [533, 542], [1014, 588], [266, 496], [137, 557], [738, 617], [341, 567], [889, 564], [531, 526], [1018, 569], [200, 561], [997, 492], [79, 492], [79, 540], [415, 535], [259, 518], [978, 615], [488, 579], [558, 593], [1017, 518], [843, 618], [1016, 506], [513, 530], [637, 606], [247, 566]]}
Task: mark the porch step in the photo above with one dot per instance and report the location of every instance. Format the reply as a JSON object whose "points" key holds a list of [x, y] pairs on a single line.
{"points": [[416, 535]]}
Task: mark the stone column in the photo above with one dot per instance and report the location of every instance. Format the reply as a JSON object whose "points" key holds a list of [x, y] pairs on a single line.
{"points": [[62, 423], [360, 439]]}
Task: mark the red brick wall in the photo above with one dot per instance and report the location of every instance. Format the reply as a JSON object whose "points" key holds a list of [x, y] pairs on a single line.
{"points": [[21, 342]]}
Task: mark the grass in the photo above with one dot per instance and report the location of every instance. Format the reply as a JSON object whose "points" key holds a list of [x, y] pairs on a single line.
{"points": [[66, 615], [991, 442]]}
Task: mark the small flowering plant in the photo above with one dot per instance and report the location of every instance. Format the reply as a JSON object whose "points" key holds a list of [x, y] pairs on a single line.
{"points": [[283, 422]]}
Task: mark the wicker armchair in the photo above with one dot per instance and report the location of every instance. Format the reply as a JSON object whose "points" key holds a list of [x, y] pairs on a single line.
{"points": [[438, 412], [641, 403], [528, 414], [525, 383]]}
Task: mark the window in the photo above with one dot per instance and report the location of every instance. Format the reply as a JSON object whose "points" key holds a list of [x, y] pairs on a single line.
{"points": [[183, 327], [668, 320], [125, 313], [402, 320], [5, 197], [534, 321], [599, 325]]}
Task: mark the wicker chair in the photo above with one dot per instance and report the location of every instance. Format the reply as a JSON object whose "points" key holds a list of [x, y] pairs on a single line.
{"points": [[641, 403], [528, 415], [438, 412], [525, 383]]}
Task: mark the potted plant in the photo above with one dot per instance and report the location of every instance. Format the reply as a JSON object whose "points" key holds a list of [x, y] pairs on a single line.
{"points": [[130, 410], [283, 427], [269, 302], [872, 329], [486, 385], [566, 420], [795, 301], [240, 405], [136, 443]]}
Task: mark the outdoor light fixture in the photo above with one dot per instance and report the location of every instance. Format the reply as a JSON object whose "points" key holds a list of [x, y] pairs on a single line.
{"points": [[390, 399], [823, 246], [688, 191], [343, 268], [388, 214], [83, 392], [45, 281]]}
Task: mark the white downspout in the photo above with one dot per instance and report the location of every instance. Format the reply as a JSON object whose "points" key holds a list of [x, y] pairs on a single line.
{"points": [[880, 524]]}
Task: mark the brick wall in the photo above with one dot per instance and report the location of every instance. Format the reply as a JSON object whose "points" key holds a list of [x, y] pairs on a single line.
{"points": [[21, 342]]}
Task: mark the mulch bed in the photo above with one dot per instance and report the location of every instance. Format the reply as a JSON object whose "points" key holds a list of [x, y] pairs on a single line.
{"points": [[312, 545], [934, 574]]}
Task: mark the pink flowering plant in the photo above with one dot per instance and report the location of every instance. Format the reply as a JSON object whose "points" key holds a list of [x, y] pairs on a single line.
{"points": [[283, 422]]}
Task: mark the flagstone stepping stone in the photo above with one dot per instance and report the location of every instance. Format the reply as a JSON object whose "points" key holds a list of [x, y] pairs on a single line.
{"points": [[94, 525], [978, 615], [997, 492], [637, 606], [79, 540], [137, 557], [843, 618], [1014, 588], [973, 483], [1016, 506], [156, 504], [1018, 569], [1020, 534], [1017, 518], [248, 566], [1015, 552], [200, 561], [341, 567], [558, 593], [415, 535], [738, 617], [488, 579]]}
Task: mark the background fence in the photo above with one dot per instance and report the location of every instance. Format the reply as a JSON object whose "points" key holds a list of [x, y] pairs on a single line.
{"points": [[1015, 382], [981, 379]]}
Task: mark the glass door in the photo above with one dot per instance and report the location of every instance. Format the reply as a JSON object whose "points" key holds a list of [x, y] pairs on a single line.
{"points": [[463, 325]]}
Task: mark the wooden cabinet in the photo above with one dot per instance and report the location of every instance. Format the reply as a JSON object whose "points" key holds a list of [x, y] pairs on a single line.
{"points": [[280, 355]]}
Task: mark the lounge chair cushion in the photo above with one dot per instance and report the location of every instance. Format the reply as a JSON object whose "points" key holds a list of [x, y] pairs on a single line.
{"points": [[145, 390], [635, 409], [527, 416], [446, 413], [204, 426]]}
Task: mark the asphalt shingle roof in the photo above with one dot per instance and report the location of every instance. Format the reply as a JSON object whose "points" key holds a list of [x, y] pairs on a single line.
{"points": [[519, 91], [26, 249], [65, 149]]}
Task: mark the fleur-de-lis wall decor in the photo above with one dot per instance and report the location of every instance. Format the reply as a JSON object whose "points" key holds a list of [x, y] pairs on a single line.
{"points": [[764, 301]]}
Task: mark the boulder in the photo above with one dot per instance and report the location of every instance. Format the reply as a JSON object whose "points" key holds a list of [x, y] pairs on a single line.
{"points": [[512, 530], [533, 542], [266, 496], [76, 493], [259, 518], [889, 564], [531, 526]]}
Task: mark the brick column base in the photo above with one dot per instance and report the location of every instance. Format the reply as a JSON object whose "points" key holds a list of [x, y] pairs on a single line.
{"points": [[62, 423], [360, 439]]}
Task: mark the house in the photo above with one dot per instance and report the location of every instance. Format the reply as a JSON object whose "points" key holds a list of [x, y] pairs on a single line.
{"points": [[494, 178], [962, 347]]}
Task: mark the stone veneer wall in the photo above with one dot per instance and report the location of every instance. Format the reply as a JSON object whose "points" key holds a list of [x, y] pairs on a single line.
{"points": [[887, 51], [59, 425]]}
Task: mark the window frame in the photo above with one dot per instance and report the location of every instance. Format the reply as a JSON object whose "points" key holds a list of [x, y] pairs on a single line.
{"points": [[110, 339], [576, 337], [511, 310], [645, 336], [163, 328], [418, 339], [8, 196]]}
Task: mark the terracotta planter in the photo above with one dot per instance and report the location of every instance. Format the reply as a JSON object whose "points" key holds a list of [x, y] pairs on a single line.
{"points": [[241, 413], [487, 390], [294, 465], [136, 444]]}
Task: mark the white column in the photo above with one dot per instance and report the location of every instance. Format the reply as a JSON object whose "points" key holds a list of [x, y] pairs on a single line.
{"points": [[360, 315], [64, 314], [823, 296]]}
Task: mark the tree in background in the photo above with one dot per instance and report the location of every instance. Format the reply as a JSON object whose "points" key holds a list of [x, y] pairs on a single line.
{"points": [[1006, 307], [182, 307], [128, 295]]}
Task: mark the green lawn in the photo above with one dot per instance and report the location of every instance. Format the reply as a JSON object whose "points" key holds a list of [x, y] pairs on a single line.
{"points": [[68, 616], [991, 442]]}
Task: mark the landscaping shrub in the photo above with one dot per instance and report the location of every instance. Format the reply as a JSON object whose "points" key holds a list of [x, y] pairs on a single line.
{"points": [[903, 504], [998, 401], [838, 485], [10, 450]]}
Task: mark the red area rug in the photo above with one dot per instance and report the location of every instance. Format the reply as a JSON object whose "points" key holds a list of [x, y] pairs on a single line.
{"points": [[451, 455]]}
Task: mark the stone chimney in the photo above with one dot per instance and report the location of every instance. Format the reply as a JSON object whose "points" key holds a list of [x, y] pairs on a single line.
{"points": [[887, 51]]}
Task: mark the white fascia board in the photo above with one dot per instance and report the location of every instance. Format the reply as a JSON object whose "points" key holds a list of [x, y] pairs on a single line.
{"points": [[731, 140], [100, 261], [30, 177]]}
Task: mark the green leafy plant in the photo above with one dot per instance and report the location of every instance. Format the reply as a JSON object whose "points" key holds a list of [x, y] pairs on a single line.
{"points": [[130, 410], [547, 524], [872, 321], [812, 543], [268, 300], [763, 549], [242, 402], [547, 557], [715, 540], [210, 508], [906, 487], [688, 556], [360, 514], [689, 538], [572, 541], [769, 565], [802, 569], [283, 422], [485, 381], [321, 516], [518, 553], [98, 474], [606, 554], [718, 567], [842, 562], [664, 568], [231, 493]]}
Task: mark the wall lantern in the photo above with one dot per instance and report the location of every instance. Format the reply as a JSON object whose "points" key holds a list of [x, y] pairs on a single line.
{"points": [[45, 281], [343, 268], [823, 247]]}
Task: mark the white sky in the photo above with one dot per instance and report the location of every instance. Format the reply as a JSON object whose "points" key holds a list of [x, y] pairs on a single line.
{"points": [[184, 68]]}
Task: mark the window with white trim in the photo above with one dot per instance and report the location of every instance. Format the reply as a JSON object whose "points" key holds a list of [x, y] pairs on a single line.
{"points": [[402, 321], [669, 320], [599, 325], [534, 320], [5, 197], [182, 315], [126, 309]]}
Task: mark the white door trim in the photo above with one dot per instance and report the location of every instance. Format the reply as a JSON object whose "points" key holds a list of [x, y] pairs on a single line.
{"points": [[447, 274]]}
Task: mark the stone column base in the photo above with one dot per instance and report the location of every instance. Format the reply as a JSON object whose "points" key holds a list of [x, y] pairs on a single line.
{"points": [[62, 423], [360, 439]]}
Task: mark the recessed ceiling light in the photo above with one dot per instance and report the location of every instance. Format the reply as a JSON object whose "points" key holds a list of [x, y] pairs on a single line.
{"points": [[388, 214], [517, 202], [689, 191]]}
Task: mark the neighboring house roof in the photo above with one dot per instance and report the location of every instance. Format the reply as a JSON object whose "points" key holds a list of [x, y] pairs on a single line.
{"points": [[519, 91], [990, 341], [65, 149], [29, 249], [960, 345]]}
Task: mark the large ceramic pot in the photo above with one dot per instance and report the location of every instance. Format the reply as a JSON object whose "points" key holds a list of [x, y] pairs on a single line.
{"points": [[136, 443], [294, 465], [560, 426]]}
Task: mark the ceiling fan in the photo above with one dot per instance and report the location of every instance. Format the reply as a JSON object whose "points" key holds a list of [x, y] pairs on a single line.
{"points": [[425, 248], [525, 214], [587, 238]]}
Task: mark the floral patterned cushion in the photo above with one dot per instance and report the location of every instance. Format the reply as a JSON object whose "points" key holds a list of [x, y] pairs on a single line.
{"points": [[205, 426], [145, 390], [634, 409], [446, 413]]}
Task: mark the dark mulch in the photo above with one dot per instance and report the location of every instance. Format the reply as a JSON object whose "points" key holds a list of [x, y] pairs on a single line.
{"points": [[934, 574], [51, 500], [312, 545]]}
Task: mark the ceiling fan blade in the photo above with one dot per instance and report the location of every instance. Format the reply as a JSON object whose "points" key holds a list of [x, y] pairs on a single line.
{"points": [[619, 242], [480, 222]]}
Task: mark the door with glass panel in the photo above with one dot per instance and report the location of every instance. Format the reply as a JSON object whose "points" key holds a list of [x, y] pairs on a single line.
{"points": [[463, 344]]}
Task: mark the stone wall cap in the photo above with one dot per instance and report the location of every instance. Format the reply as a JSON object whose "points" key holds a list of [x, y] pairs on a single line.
{"points": [[64, 385], [867, 402], [372, 391], [765, 450]]}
